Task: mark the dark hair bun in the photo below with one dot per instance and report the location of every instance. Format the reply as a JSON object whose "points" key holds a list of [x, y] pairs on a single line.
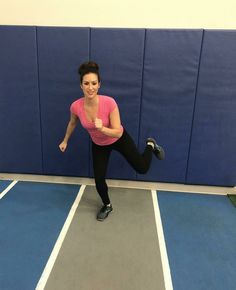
{"points": [[88, 67]]}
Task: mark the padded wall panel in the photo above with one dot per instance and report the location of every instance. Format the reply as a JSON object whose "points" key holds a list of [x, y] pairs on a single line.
{"points": [[61, 50], [213, 147], [119, 53], [19, 103], [170, 77]]}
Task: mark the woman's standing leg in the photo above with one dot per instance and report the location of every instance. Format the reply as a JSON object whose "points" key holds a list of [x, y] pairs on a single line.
{"points": [[101, 156]]}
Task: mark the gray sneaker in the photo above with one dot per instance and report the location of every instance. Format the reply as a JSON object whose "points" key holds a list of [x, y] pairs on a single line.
{"points": [[104, 212], [158, 150]]}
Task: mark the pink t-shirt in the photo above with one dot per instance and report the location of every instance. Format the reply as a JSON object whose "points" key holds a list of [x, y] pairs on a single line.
{"points": [[105, 106]]}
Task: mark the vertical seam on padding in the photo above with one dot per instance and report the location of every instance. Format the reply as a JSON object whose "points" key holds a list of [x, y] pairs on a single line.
{"points": [[89, 44], [39, 94], [194, 108], [89, 55], [141, 91]]}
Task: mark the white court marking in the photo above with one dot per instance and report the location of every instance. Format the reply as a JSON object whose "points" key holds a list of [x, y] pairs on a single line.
{"points": [[8, 188], [51, 261], [162, 244]]}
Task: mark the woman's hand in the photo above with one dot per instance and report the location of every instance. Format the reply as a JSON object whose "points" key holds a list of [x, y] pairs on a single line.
{"points": [[63, 146], [98, 124]]}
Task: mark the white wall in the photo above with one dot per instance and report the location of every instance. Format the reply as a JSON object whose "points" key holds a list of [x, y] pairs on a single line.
{"points": [[121, 13]]}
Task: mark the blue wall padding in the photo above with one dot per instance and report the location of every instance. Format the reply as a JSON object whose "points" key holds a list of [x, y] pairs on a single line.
{"points": [[120, 55], [176, 85], [213, 145], [32, 216], [19, 105], [169, 86], [60, 51]]}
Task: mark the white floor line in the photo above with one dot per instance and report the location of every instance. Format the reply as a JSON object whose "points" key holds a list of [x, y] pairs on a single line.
{"points": [[162, 245], [48, 268], [8, 188]]}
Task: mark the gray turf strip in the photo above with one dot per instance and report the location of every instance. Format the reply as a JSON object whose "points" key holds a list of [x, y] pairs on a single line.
{"points": [[120, 253]]}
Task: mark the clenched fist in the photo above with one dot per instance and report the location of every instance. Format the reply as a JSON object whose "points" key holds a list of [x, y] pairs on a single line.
{"points": [[63, 146], [98, 124]]}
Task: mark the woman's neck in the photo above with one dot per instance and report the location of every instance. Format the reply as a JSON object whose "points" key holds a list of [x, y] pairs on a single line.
{"points": [[91, 102]]}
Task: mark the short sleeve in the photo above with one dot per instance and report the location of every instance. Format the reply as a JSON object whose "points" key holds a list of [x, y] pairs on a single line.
{"points": [[112, 104], [75, 107], [72, 108]]}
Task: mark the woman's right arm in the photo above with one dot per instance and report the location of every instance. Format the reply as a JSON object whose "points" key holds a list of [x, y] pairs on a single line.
{"points": [[69, 130]]}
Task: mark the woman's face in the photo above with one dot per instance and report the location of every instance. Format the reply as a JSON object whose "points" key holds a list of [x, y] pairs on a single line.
{"points": [[90, 85]]}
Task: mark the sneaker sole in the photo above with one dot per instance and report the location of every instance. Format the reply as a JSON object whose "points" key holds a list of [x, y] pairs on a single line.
{"points": [[101, 220]]}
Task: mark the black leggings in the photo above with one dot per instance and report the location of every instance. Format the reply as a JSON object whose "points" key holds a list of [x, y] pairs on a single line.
{"points": [[126, 146]]}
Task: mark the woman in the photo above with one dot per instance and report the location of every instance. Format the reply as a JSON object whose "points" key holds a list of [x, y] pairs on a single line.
{"points": [[99, 115]]}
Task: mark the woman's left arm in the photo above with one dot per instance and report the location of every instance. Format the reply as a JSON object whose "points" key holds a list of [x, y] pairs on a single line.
{"points": [[115, 129]]}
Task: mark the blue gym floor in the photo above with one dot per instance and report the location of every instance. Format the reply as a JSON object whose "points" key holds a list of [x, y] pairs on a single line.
{"points": [[199, 234]]}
